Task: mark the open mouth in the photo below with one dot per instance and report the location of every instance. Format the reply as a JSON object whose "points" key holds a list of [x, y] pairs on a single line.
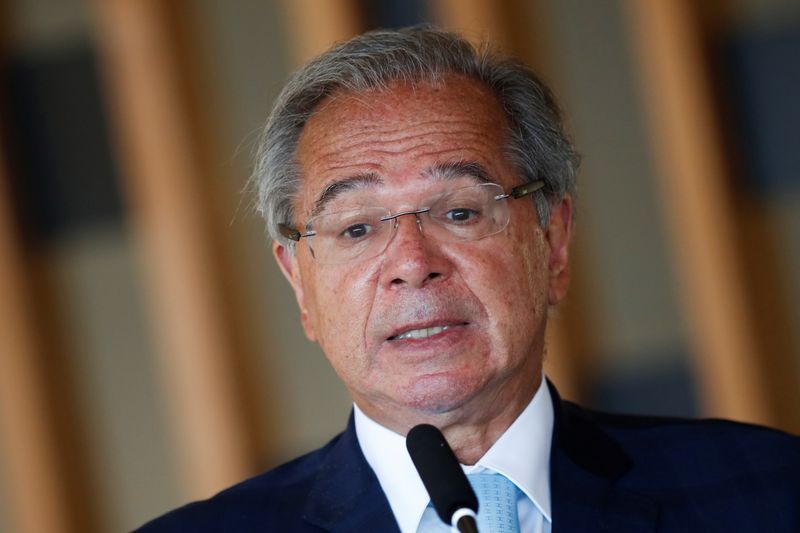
{"points": [[424, 333]]}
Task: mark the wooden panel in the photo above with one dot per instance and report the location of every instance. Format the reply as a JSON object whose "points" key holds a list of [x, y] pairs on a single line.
{"points": [[514, 25], [477, 20], [36, 492], [37, 499], [171, 223], [690, 163], [314, 25]]}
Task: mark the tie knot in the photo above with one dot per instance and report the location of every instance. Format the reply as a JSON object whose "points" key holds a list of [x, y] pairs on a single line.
{"points": [[497, 502]]}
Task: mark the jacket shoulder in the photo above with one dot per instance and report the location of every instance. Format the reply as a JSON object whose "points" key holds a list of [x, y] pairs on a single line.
{"points": [[701, 451], [634, 428], [681, 474]]}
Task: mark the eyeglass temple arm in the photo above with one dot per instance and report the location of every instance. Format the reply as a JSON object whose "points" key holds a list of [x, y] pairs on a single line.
{"points": [[289, 232], [293, 234], [527, 188]]}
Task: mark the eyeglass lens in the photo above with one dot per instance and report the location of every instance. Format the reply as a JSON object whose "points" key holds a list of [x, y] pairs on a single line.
{"points": [[465, 214]]}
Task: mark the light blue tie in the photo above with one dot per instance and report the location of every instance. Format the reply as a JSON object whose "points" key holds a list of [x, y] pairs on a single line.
{"points": [[497, 503]]}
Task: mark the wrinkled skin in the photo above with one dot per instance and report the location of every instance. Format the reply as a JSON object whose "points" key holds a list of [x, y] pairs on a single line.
{"points": [[474, 378]]}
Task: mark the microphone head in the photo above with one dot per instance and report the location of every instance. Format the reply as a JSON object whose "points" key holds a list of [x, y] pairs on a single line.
{"points": [[440, 472]]}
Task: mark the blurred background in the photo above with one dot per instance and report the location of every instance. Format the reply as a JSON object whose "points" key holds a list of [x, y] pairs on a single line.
{"points": [[150, 351]]}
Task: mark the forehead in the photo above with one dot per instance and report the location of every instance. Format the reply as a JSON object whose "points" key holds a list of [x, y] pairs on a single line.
{"points": [[397, 135]]}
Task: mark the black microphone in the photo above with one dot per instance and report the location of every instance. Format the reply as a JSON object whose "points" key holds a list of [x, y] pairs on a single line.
{"points": [[451, 494]]}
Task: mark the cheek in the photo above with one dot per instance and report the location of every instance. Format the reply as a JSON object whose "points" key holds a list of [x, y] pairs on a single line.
{"points": [[343, 301], [515, 289], [518, 288]]}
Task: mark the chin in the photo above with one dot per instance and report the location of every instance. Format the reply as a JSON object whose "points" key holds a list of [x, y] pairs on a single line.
{"points": [[440, 393]]}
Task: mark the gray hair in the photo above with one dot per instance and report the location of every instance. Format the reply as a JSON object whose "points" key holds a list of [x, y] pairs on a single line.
{"points": [[537, 145]]}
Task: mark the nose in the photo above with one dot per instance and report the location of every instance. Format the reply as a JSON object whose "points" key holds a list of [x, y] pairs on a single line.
{"points": [[411, 258]]}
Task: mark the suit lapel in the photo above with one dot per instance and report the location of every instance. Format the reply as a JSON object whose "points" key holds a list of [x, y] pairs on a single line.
{"points": [[585, 466], [346, 495]]}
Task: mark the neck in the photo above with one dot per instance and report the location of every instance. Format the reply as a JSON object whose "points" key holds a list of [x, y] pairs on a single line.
{"points": [[470, 439]]}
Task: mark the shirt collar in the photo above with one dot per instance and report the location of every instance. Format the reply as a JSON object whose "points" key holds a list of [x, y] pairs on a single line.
{"points": [[522, 454], [386, 453]]}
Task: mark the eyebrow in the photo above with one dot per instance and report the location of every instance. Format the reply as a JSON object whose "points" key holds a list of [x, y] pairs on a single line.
{"points": [[439, 171], [459, 169], [332, 190]]}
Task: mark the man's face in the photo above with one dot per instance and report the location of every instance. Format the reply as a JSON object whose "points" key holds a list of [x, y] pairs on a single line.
{"points": [[486, 300]]}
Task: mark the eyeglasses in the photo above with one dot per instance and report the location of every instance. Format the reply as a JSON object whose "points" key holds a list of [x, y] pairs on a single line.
{"points": [[465, 214]]}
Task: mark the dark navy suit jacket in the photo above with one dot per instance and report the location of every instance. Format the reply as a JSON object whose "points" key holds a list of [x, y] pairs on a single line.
{"points": [[608, 473]]}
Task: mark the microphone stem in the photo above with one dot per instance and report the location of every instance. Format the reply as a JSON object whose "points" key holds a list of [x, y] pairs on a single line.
{"points": [[466, 524]]}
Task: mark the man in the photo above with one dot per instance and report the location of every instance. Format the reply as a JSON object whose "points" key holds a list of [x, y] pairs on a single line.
{"points": [[420, 197]]}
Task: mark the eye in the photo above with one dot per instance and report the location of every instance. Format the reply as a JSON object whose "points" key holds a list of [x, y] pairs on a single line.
{"points": [[356, 231], [461, 215]]}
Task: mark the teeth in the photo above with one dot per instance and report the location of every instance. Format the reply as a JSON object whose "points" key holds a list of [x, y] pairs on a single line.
{"points": [[422, 333]]}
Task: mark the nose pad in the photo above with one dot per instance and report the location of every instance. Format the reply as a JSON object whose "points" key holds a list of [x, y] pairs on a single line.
{"points": [[394, 220], [396, 226]]}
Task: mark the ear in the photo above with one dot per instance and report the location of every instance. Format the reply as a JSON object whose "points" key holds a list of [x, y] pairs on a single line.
{"points": [[287, 261], [558, 234]]}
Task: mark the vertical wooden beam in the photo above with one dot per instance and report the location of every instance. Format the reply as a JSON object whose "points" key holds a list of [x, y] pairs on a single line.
{"points": [[690, 161], [314, 25], [36, 493], [477, 20], [514, 25], [170, 217]]}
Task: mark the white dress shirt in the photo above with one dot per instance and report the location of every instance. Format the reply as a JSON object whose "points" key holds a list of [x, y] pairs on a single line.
{"points": [[522, 454]]}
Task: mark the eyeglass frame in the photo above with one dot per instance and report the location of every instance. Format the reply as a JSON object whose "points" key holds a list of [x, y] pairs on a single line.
{"points": [[517, 192]]}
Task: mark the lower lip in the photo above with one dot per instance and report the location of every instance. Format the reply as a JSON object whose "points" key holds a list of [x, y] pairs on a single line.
{"points": [[451, 335]]}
